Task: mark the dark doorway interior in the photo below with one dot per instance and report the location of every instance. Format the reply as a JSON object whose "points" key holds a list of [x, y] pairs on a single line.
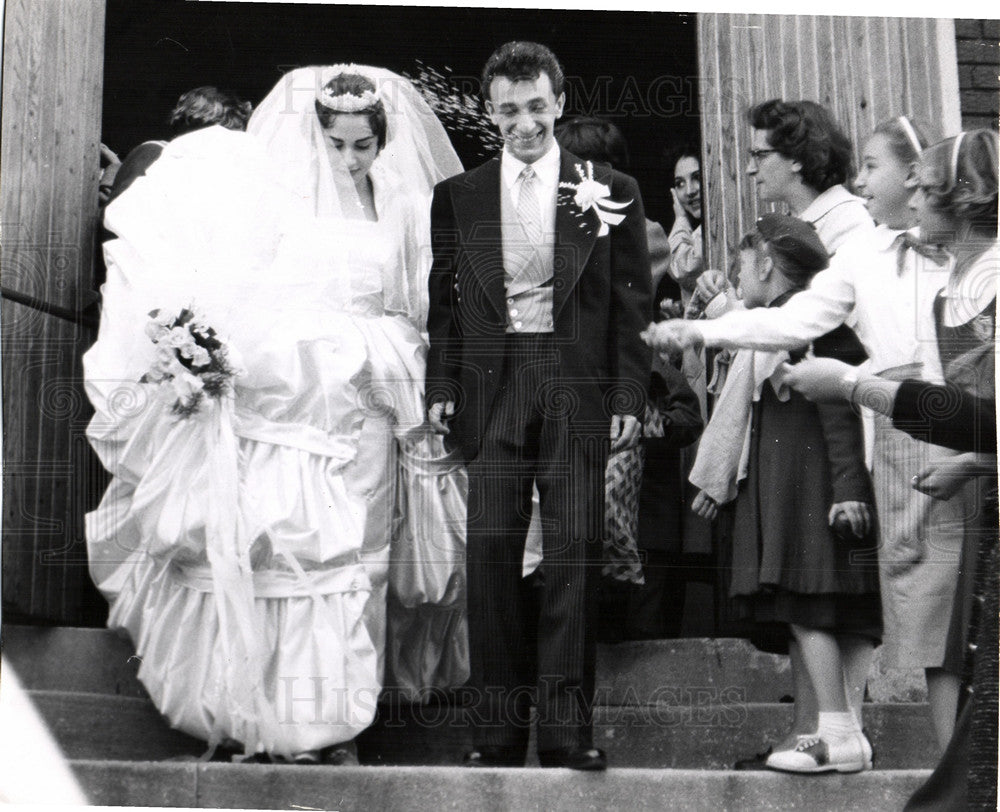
{"points": [[637, 68]]}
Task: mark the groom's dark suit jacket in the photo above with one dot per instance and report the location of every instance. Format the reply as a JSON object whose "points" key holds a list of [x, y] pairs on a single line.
{"points": [[601, 301]]}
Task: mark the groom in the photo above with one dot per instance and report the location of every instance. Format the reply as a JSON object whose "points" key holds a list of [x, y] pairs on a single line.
{"points": [[538, 293]]}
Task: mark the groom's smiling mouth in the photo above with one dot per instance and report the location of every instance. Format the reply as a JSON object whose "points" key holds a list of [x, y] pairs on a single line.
{"points": [[527, 139]]}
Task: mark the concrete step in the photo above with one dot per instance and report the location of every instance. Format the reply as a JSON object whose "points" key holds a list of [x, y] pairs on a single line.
{"points": [[412, 789], [657, 736], [661, 735], [100, 726], [63, 658], [634, 673]]}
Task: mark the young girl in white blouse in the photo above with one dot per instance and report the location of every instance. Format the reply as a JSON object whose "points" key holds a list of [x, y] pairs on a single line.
{"points": [[882, 284]]}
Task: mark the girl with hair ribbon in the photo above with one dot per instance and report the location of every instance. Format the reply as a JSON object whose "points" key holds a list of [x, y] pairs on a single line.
{"points": [[956, 207]]}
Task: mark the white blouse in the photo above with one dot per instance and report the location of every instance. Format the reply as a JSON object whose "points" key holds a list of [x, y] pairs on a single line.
{"points": [[889, 309], [838, 217]]}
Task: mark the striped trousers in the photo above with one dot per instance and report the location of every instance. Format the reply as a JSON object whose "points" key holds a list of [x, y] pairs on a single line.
{"points": [[534, 643]]}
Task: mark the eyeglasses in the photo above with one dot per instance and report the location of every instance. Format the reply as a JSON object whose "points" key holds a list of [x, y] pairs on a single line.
{"points": [[757, 154]]}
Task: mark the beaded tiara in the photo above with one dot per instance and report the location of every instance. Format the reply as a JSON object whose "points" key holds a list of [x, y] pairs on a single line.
{"points": [[345, 102]]}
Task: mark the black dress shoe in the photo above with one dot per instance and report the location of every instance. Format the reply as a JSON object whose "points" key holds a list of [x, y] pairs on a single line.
{"points": [[576, 758], [494, 756]]}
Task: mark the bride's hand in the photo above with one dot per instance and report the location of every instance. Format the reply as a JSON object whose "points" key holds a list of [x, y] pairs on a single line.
{"points": [[438, 415]]}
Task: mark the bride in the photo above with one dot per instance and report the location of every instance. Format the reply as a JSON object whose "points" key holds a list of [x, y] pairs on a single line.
{"points": [[255, 523]]}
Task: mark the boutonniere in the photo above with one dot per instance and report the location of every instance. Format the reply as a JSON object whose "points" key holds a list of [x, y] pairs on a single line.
{"points": [[589, 194]]}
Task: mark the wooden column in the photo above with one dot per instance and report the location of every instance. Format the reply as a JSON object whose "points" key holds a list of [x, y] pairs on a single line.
{"points": [[865, 69], [52, 77]]}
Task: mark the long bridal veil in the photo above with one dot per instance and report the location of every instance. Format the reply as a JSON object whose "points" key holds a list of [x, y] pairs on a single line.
{"points": [[417, 155], [229, 542]]}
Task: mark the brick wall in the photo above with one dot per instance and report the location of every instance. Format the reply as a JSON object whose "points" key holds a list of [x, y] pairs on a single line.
{"points": [[978, 45]]}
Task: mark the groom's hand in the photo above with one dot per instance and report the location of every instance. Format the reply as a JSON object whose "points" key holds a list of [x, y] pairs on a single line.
{"points": [[438, 415], [625, 431]]}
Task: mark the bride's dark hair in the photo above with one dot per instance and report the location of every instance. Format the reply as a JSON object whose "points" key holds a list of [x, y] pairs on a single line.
{"points": [[354, 84]]}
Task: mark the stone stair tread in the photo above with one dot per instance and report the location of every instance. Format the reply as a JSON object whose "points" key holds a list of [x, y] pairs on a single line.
{"points": [[102, 661], [114, 783], [657, 736], [68, 658], [111, 727]]}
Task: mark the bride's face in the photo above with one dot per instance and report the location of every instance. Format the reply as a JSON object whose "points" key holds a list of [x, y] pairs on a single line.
{"points": [[351, 143]]}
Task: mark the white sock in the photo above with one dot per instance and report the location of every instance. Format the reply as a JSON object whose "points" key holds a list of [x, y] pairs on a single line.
{"points": [[837, 725], [854, 702]]}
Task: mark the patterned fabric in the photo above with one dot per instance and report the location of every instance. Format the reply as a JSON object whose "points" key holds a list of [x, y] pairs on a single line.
{"points": [[623, 481], [528, 210]]}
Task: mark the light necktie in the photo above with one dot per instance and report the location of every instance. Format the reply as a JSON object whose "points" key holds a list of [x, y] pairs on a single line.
{"points": [[528, 210]]}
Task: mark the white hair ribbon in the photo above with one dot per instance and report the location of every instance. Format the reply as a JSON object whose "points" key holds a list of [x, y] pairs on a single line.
{"points": [[911, 134], [955, 151]]}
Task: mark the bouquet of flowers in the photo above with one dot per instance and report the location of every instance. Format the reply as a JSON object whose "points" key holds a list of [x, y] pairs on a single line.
{"points": [[190, 357]]}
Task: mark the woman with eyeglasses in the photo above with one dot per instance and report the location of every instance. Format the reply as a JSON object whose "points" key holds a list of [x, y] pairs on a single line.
{"points": [[801, 157]]}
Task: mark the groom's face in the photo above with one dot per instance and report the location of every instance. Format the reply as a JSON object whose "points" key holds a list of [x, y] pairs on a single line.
{"points": [[525, 112]]}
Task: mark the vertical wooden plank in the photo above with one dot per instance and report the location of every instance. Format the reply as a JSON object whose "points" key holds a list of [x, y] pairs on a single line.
{"points": [[947, 109], [774, 59], [911, 68], [933, 95], [888, 49], [742, 36], [931, 76], [757, 75], [845, 107], [798, 31], [746, 60], [49, 437], [834, 53], [822, 49], [711, 130], [52, 76], [805, 54], [856, 110], [866, 87]]}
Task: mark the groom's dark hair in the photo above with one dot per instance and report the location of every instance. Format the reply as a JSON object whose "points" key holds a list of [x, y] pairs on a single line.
{"points": [[518, 61]]}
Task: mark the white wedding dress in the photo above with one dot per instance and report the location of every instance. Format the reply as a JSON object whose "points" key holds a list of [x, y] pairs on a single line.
{"points": [[248, 549]]}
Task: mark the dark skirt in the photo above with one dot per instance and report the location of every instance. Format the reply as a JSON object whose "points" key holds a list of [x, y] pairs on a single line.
{"points": [[781, 538], [769, 614], [787, 564]]}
